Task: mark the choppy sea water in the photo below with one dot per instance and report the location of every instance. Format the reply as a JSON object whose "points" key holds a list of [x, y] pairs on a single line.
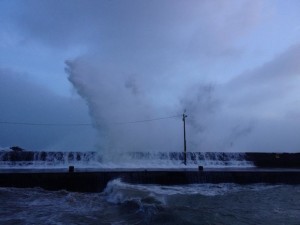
{"points": [[121, 203]]}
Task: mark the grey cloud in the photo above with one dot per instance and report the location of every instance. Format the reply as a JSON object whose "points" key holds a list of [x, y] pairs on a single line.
{"points": [[25, 102], [216, 33], [263, 98], [273, 80], [169, 28], [145, 59], [58, 23], [218, 115], [282, 68], [248, 113]]}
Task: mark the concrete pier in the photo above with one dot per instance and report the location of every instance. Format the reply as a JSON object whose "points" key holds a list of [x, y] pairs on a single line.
{"points": [[96, 180], [259, 159], [273, 168]]}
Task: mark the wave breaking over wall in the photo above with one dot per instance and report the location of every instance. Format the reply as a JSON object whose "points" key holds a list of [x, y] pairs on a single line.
{"points": [[41, 159], [47, 159]]}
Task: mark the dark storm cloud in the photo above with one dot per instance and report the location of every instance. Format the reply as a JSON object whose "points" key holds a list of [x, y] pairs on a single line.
{"points": [[25, 102]]}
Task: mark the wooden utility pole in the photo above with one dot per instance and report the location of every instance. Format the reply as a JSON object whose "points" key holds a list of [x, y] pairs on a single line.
{"points": [[184, 137]]}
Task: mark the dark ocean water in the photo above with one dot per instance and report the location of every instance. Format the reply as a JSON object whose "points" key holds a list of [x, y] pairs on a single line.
{"points": [[122, 203]]}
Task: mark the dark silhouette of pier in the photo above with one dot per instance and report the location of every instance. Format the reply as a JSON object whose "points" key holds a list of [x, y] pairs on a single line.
{"points": [[96, 180], [272, 168]]}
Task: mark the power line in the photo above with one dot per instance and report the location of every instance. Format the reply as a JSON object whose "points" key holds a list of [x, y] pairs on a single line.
{"points": [[45, 124], [148, 120], [83, 124]]}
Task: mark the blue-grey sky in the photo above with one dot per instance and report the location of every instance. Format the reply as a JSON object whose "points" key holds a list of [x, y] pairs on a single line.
{"points": [[233, 65]]}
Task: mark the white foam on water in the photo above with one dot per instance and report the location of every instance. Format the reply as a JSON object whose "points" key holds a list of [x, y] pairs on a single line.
{"points": [[123, 203], [173, 160], [115, 187], [125, 160], [151, 199]]}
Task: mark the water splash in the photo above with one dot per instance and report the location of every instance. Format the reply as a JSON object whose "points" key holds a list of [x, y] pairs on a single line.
{"points": [[43, 159]]}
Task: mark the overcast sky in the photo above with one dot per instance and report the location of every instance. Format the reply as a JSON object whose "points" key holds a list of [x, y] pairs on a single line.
{"points": [[233, 65]]}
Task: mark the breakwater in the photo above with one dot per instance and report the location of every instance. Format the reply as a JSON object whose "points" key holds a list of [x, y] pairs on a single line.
{"points": [[75, 174], [258, 159], [96, 181]]}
